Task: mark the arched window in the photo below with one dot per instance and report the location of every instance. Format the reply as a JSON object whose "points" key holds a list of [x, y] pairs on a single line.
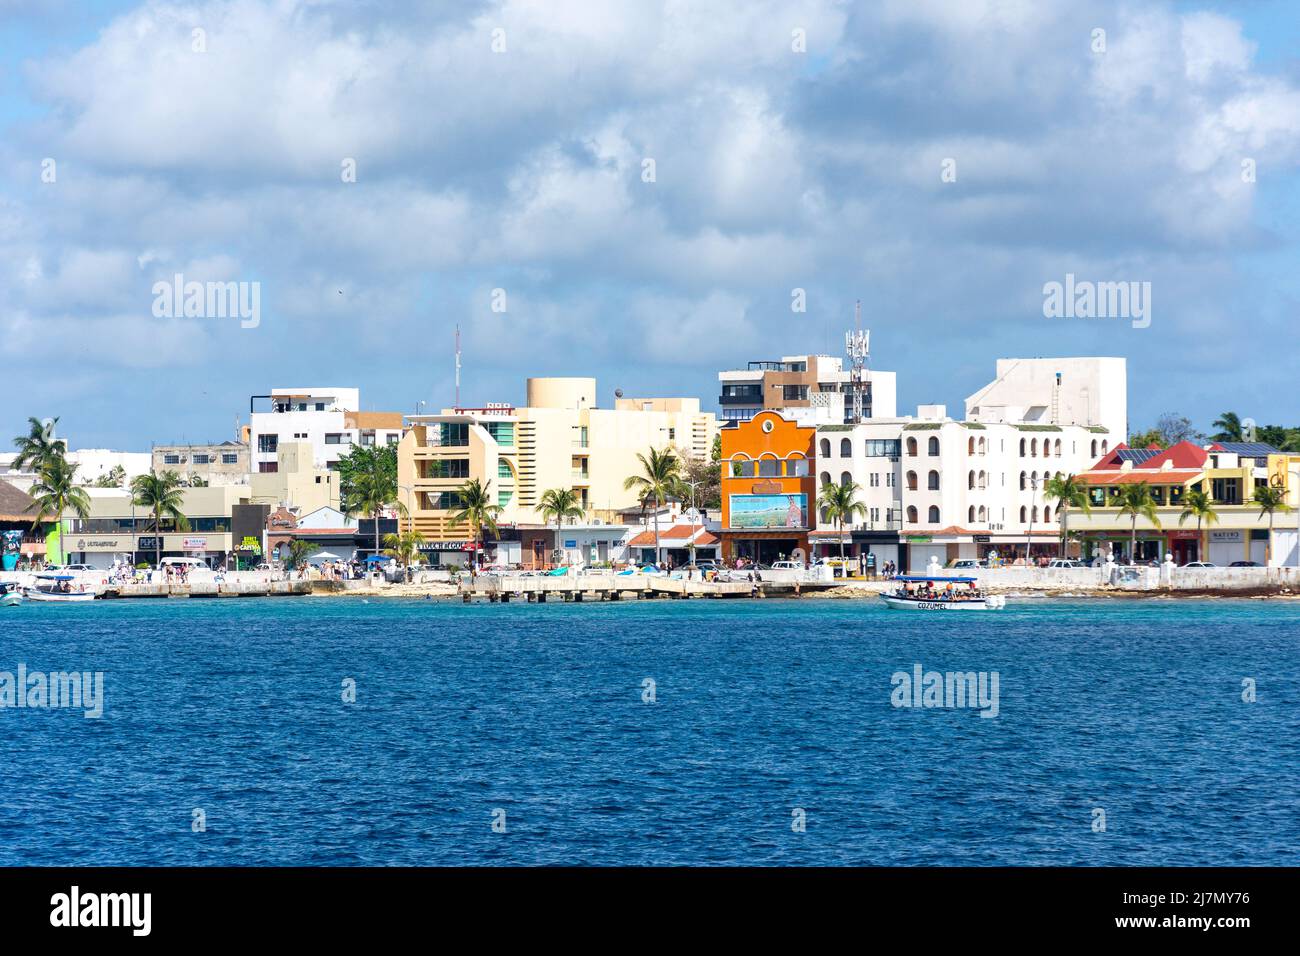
{"points": [[1094, 448], [934, 446], [970, 513], [796, 466], [984, 447], [742, 467], [984, 481], [933, 482], [1104, 445], [1023, 514], [911, 447], [1033, 448], [846, 448], [1058, 448], [826, 447], [934, 514], [1022, 448], [769, 467], [1034, 515], [970, 445], [1047, 513], [911, 481], [983, 514], [970, 481], [911, 514], [846, 479], [825, 478], [1023, 483]]}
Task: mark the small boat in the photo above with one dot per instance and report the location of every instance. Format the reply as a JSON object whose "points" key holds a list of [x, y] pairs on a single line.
{"points": [[9, 595], [58, 589], [932, 593]]}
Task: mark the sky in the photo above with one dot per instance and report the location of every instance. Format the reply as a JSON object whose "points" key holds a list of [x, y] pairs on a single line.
{"points": [[640, 192]]}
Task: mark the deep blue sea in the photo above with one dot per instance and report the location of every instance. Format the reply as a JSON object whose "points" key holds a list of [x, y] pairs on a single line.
{"points": [[761, 709]]}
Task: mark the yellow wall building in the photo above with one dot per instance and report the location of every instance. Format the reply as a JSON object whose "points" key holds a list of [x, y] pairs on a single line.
{"points": [[559, 439]]}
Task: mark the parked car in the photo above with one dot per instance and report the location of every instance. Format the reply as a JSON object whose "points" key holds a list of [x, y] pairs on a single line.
{"points": [[1199, 564], [1245, 564], [707, 564], [787, 566], [965, 564], [1064, 563]]}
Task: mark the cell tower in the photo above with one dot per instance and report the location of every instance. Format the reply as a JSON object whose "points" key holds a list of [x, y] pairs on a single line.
{"points": [[858, 344]]}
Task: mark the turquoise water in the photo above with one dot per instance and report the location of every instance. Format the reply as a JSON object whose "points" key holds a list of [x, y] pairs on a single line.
{"points": [[761, 708]]}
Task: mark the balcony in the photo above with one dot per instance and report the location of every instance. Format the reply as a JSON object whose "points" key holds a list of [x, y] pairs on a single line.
{"points": [[742, 398]]}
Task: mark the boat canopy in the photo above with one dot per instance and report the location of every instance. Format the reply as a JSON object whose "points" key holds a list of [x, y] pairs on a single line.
{"points": [[923, 577], [56, 577]]}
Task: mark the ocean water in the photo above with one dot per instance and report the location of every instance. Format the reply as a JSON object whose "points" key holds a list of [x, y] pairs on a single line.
{"points": [[761, 709]]}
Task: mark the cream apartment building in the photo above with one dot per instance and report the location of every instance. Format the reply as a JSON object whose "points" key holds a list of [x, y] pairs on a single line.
{"points": [[558, 439]]}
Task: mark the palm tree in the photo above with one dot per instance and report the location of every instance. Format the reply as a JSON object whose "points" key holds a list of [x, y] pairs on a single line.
{"points": [[1199, 505], [113, 478], [841, 504], [1068, 492], [299, 551], [1229, 426], [372, 485], [55, 492], [661, 472], [1270, 500], [38, 447], [405, 547], [1135, 501], [479, 511], [164, 497], [560, 503]]}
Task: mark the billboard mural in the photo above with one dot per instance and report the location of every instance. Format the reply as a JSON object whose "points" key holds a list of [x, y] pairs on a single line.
{"points": [[13, 543], [759, 512]]}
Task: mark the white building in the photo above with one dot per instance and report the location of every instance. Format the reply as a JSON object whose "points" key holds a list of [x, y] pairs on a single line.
{"points": [[803, 382], [1056, 391], [937, 487], [92, 465], [327, 418]]}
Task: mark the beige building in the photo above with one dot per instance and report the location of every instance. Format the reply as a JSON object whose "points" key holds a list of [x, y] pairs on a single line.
{"points": [[223, 463], [296, 482], [558, 439]]}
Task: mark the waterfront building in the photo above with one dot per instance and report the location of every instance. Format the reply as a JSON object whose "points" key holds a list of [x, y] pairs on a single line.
{"points": [[119, 530], [296, 482], [1089, 391], [93, 464], [18, 538], [560, 438], [1229, 472], [213, 463], [327, 418], [803, 382], [768, 488]]}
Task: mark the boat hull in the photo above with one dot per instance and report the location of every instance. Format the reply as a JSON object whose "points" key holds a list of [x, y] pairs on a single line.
{"points": [[74, 598], [11, 600], [913, 604]]}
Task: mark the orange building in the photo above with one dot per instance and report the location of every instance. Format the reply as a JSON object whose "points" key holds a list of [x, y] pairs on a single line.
{"points": [[768, 488]]}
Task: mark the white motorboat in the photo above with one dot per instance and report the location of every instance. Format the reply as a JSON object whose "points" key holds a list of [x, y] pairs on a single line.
{"points": [[58, 589], [9, 595], [926, 593]]}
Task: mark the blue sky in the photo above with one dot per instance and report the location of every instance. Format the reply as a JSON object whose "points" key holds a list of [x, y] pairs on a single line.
{"points": [[522, 170]]}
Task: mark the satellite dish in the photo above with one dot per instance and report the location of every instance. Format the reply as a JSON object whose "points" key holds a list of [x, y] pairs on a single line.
{"points": [[618, 393]]}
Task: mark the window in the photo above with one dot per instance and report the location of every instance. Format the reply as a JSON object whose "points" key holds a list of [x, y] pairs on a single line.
{"points": [[1057, 448], [911, 514], [934, 446], [983, 516], [970, 514], [874, 480], [453, 433], [984, 448], [1033, 448], [268, 467], [970, 481], [889, 479], [911, 481], [202, 459], [933, 516], [445, 501], [739, 414], [983, 481], [846, 448], [268, 443], [229, 459], [1024, 484], [742, 393], [1104, 445], [970, 445], [1022, 448], [846, 479], [447, 468], [394, 439], [797, 467], [1226, 490], [742, 468], [825, 478], [1047, 513], [794, 393], [171, 459], [1094, 448], [1024, 513], [825, 446], [933, 482], [883, 448], [333, 438], [769, 468], [672, 434], [911, 447], [368, 438]]}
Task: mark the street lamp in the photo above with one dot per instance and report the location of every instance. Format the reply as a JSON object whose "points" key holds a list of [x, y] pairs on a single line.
{"points": [[1033, 510]]}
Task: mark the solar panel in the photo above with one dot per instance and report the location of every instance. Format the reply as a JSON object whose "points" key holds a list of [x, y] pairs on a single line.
{"points": [[1137, 455], [1250, 449]]}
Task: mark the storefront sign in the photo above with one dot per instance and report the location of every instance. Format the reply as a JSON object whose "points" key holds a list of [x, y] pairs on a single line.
{"points": [[103, 544], [982, 538], [571, 542], [195, 544], [250, 545], [919, 539], [1225, 537]]}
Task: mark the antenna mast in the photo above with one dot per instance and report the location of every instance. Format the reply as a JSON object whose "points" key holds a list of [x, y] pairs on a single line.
{"points": [[458, 365], [858, 346]]}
